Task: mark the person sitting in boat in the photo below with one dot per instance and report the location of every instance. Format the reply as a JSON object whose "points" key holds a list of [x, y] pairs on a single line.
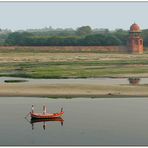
{"points": [[32, 109], [44, 109]]}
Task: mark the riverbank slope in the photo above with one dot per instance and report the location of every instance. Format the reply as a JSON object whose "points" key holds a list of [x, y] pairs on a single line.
{"points": [[72, 90]]}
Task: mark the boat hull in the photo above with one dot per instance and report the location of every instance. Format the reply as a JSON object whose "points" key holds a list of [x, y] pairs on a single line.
{"points": [[46, 116]]}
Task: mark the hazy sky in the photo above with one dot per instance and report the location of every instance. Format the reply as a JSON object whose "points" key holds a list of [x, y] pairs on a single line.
{"points": [[24, 15]]}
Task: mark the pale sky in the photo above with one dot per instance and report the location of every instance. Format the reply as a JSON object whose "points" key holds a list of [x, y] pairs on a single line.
{"points": [[111, 15]]}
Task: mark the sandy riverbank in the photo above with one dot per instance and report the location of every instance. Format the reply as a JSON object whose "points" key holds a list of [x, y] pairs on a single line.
{"points": [[72, 90]]}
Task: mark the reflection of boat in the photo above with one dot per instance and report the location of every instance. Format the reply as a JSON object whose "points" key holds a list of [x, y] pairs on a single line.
{"points": [[45, 115], [134, 80], [33, 121], [59, 119]]}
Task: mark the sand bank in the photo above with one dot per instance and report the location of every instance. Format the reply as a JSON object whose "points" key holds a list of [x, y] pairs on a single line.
{"points": [[72, 90]]}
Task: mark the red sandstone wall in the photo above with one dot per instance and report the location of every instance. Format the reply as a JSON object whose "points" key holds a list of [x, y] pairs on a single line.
{"points": [[66, 48]]}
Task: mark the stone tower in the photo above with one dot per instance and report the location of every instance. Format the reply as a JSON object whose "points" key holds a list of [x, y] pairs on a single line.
{"points": [[135, 43]]}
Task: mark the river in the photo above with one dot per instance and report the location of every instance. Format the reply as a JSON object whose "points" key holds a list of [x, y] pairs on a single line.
{"points": [[100, 121], [105, 81]]}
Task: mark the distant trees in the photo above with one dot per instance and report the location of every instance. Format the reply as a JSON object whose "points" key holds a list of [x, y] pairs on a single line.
{"points": [[101, 40], [3, 38], [82, 36], [52, 32], [122, 35], [83, 31], [18, 38], [145, 37], [27, 39]]}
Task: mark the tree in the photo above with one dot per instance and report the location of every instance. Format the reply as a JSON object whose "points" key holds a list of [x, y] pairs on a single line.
{"points": [[101, 40], [112, 40], [18, 38], [122, 35], [84, 30], [93, 40]]}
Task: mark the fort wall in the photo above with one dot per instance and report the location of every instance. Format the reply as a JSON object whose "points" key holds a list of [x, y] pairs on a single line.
{"points": [[64, 48]]}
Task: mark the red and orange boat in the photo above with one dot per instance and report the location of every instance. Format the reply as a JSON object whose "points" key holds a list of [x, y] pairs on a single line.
{"points": [[45, 115]]}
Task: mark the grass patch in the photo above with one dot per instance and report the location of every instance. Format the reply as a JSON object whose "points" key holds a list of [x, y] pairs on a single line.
{"points": [[103, 65]]}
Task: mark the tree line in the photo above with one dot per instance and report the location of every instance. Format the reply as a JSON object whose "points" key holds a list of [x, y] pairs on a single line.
{"points": [[82, 36], [27, 39]]}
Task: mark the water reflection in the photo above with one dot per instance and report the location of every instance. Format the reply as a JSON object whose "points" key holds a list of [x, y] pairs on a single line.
{"points": [[134, 80], [44, 121], [106, 81]]}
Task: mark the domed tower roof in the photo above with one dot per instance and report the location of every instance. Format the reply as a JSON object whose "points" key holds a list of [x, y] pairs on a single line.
{"points": [[135, 28]]}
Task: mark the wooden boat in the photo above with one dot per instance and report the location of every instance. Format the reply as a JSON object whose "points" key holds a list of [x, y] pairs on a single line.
{"points": [[45, 115]]}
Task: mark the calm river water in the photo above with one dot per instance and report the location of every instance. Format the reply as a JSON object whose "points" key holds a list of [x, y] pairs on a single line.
{"points": [[104, 81], [100, 121]]}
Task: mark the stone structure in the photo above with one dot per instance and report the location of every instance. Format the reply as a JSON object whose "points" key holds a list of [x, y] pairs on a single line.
{"points": [[135, 42]]}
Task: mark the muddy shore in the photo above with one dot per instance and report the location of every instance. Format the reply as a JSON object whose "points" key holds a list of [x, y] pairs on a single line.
{"points": [[72, 90]]}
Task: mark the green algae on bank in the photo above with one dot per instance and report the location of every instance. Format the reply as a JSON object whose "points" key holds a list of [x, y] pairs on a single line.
{"points": [[15, 81]]}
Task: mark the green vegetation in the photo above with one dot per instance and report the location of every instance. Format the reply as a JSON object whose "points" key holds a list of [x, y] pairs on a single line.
{"points": [[82, 36], [14, 81], [84, 30], [28, 39], [77, 69]]}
